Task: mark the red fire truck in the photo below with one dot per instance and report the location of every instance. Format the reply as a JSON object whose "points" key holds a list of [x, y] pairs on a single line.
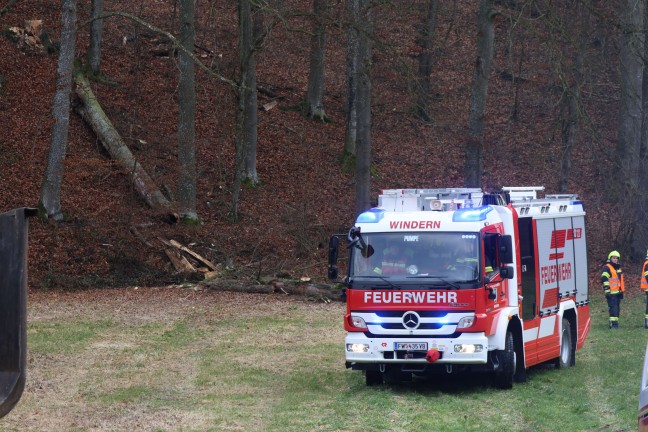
{"points": [[455, 280]]}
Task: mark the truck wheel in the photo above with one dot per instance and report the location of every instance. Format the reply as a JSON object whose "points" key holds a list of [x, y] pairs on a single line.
{"points": [[373, 377], [507, 364], [566, 357]]}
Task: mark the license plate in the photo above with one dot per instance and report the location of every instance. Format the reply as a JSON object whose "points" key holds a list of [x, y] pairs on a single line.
{"points": [[410, 346]]}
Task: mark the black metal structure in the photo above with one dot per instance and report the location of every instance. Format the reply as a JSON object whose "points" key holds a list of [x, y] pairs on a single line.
{"points": [[13, 306]]}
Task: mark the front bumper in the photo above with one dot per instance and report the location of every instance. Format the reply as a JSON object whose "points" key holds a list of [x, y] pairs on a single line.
{"points": [[382, 350]]}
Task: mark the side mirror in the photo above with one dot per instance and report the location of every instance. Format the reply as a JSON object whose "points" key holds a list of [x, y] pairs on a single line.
{"points": [[334, 246], [506, 249], [506, 272]]}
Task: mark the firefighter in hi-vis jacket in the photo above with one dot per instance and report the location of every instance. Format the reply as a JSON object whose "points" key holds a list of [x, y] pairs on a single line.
{"points": [[644, 286], [612, 279]]}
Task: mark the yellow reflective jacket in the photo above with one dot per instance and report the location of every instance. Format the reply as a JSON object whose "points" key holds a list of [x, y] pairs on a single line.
{"points": [[612, 279]]}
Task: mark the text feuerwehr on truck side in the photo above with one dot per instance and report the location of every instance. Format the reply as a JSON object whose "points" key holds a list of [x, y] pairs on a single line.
{"points": [[455, 280]]}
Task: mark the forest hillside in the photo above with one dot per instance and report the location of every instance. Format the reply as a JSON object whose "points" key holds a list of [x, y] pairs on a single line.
{"points": [[111, 238]]}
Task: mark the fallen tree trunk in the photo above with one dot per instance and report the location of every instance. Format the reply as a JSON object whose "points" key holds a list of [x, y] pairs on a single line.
{"points": [[309, 290], [94, 115], [237, 286]]}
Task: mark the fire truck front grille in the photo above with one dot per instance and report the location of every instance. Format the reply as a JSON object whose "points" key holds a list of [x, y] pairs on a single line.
{"points": [[422, 314], [423, 326]]}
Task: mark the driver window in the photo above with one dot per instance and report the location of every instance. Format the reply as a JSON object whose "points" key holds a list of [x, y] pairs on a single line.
{"points": [[490, 252]]}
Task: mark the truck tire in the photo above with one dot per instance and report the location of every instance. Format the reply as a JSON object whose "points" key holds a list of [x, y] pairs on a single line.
{"points": [[507, 364], [566, 357], [373, 377]]}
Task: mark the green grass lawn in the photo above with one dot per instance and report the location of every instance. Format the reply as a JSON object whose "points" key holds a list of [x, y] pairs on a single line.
{"points": [[279, 366]]}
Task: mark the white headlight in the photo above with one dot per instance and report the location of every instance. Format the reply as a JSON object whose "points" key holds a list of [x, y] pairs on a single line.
{"points": [[466, 322], [358, 322]]}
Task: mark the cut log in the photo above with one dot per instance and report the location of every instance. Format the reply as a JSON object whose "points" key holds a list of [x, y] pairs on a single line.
{"points": [[199, 258], [179, 262], [268, 106], [94, 115]]}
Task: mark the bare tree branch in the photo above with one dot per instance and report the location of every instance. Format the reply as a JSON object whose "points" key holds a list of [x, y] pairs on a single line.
{"points": [[173, 40], [8, 6]]}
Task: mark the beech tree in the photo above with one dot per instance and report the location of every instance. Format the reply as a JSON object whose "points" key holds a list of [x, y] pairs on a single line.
{"points": [[363, 107], [253, 36], [628, 171], [425, 41], [632, 69], [96, 29], [485, 50], [50, 200], [315, 96], [245, 126], [187, 111], [640, 239], [576, 25], [352, 11]]}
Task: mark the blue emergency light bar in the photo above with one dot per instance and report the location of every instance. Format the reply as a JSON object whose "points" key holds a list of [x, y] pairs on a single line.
{"points": [[475, 214], [373, 215]]}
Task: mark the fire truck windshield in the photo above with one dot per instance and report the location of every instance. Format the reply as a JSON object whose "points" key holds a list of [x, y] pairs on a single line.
{"points": [[450, 258]]}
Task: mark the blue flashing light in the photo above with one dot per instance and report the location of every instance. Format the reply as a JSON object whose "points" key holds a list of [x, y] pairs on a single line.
{"points": [[373, 215], [475, 214]]}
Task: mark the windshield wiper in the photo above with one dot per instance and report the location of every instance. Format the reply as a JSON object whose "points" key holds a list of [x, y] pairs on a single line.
{"points": [[441, 278], [391, 284]]}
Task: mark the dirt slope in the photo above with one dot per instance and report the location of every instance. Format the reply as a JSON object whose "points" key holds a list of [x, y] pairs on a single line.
{"points": [[304, 196]]}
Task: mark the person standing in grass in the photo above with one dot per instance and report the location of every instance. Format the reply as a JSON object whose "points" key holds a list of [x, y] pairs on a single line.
{"points": [[644, 286], [612, 279]]}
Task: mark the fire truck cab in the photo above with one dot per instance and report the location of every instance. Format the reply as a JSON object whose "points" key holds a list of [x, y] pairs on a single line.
{"points": [[454, 280]]}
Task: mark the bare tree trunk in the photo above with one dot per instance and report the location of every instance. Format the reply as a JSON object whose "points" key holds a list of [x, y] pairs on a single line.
{"points": [[50, 205], [239, 163], [627, 171], [315, 96], [640, 238], [632, 68], [425, 41], [251, 96], [245, 50], [572, 100], [187, 111], [485, 49], [363, 104], [352, 11], [96, 29], [94, 115]]}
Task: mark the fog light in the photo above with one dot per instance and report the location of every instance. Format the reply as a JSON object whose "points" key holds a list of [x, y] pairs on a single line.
{"points": [[468, 348], [357, 348]]}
